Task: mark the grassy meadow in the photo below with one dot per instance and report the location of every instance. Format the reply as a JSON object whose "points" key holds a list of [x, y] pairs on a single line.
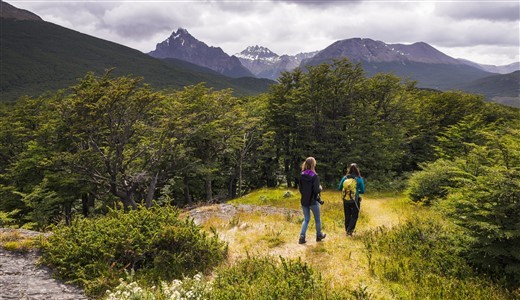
{"points": [[400, 250], [341, 260], [361, 266]]}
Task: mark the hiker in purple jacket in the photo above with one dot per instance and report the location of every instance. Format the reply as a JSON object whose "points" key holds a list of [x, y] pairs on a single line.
{"points": [[310, 188]]}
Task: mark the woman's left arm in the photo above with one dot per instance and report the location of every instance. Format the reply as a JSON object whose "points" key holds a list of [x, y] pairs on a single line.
{"points": [[361, 185]]}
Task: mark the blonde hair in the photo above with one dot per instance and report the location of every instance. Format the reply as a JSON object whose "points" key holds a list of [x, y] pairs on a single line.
{"points": [[309, 164]]}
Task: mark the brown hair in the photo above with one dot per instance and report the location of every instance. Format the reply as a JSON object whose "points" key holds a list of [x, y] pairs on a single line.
{"points": [[354, 170], [309, 164]]}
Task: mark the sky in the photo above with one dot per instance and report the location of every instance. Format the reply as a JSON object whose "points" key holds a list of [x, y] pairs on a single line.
{"points": [[486, 32]]}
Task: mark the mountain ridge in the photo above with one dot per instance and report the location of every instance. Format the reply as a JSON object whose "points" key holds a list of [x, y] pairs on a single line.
{"points": [[53, 63], [41, 56], [182, 45], [264, 63], [10, 12]]}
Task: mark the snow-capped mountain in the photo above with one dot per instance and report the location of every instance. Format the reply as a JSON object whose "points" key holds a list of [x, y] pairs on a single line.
{"points": [[182, 45], [264, 63]]}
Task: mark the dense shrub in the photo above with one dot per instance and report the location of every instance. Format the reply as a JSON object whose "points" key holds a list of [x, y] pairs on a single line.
{"points": [[154, 243], [489, 208], [421, 259], [432, 182], [267, 278], [486, 201]]}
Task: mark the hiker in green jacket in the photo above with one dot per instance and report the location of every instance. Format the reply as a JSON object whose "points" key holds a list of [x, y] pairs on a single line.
{"points": [[351, 185]]}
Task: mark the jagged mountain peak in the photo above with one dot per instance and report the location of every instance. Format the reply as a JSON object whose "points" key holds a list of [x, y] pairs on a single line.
{"points": [[181, 33], [182, 30], [182, 45], [259, 49], [257, 53]]}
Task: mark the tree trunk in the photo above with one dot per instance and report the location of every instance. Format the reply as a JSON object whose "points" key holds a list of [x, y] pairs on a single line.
{"points": [[151, 190], [209, 192], [240, 162], [187, 196], [85, 205], [128, 202], [288, 175], [232, 186], [67, 209]]}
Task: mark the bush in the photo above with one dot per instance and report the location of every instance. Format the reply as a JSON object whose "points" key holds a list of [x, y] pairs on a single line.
{"points": [[421, 259], [154, 243], [188, 288], [265, 278], [432, 182], [489, 208]]}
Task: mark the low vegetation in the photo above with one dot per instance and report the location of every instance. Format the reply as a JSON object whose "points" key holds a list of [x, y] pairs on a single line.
{"points": [[155, 244], [401, 250], [421, 259], [14, 240]]}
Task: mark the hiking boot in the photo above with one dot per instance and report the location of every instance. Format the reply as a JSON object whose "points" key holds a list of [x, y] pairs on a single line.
{"points": [[320, 237], [302, 240]]}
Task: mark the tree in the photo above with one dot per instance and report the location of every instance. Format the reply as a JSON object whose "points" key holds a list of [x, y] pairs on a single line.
{"points": [[283, 110], [115, 136], [487, 203], [459, 139], [216, 127]]}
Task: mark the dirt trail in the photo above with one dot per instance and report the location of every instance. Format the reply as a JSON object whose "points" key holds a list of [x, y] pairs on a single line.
{"points": [[380, 213], [22, 278], [261, 230]]}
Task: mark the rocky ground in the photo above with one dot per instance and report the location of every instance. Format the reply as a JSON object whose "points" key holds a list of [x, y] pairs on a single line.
{"points": [[22, 278]]}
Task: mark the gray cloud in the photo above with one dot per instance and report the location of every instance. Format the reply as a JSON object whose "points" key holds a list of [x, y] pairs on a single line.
{"points": [[317, 3], [290, 26], [471, 10]]}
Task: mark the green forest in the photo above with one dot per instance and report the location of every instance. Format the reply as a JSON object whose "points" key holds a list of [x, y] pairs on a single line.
{"points": [[113, 146]]}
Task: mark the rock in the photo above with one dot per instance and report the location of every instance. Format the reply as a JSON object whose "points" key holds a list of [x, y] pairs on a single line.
{"points": [[22, 278]]}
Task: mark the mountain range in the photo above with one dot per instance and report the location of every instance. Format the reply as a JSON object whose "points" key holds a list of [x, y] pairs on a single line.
{"points": [[266, 64], [38, 56], [420, 62]]}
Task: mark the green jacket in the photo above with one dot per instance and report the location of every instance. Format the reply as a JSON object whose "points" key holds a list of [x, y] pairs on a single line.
{"points": [[360, 185]]}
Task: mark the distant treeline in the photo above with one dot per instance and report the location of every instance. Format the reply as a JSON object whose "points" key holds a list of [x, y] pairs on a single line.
{"points": [[114, 142]]}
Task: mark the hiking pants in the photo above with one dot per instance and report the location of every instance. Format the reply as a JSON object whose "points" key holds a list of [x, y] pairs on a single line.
{"points": [[351, 214], [307, 217]]}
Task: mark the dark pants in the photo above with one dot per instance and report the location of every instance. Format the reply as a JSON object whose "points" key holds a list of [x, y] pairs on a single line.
{"points": [[351, 210]]}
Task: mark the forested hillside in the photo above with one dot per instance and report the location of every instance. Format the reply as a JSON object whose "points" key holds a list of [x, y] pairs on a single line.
{"points": [[112, 142], [41, 56]]}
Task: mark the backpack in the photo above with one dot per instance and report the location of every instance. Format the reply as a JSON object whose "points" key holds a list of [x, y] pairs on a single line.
{"points": [[349, 188]]}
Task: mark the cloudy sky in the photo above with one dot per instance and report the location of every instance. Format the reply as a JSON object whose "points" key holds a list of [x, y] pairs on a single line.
{"points": [[486, 32]]}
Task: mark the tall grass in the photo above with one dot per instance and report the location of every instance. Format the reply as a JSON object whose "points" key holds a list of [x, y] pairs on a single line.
{"points": [[421, 259]]}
